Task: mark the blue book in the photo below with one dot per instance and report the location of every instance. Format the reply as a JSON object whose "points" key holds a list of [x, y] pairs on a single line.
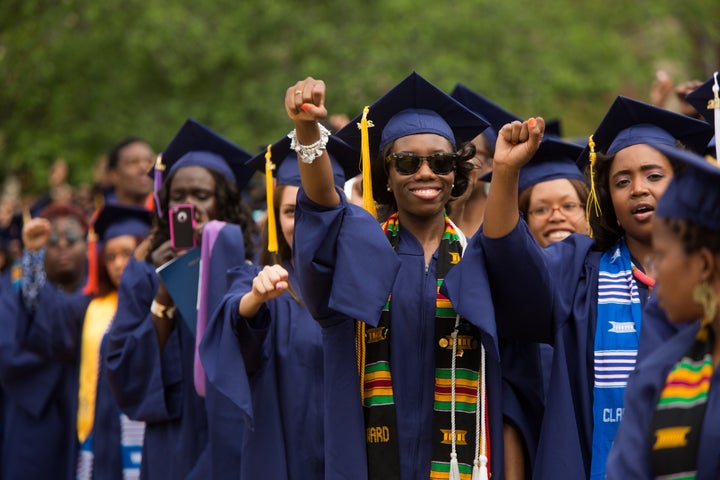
{"points": [[181, 276]]}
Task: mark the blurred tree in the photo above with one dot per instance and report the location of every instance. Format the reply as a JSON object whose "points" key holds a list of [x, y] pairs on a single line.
{"points": [[78, 75]]}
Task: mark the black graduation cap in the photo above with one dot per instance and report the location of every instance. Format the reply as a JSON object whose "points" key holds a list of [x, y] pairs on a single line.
{"points": [[488, 110], [631, 122], [414, 106], [694, 192], [197, 145], [115, 220]]}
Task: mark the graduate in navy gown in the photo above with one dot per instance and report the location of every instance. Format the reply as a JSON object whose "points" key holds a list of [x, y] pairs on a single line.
{"points": [[264, 333], [555, 189], [657, 328], [422, 398], [557, 294], [670, 426], [39, 379], [110, 443], [150, 353]]}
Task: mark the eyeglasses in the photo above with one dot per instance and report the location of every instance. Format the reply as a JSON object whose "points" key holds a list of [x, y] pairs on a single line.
{"points": [[569, 209], [71, 236], [409, 163]]}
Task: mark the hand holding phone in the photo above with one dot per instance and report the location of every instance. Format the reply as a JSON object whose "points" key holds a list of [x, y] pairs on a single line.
{"points": [[182, 226]]}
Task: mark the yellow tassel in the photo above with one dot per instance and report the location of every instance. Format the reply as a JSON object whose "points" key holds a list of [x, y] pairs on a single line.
{"points": [[368, 202], [592, 197], [369, 205], [269, 190]]}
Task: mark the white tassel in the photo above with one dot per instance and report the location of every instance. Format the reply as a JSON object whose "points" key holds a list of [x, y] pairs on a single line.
{"points": [[454, 468], [480, 471]]}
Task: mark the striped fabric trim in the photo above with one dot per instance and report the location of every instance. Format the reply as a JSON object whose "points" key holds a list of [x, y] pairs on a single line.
{"points": [[465, 390], [613, 288], [441, 471], [687, 384], [612, 367], [378, 384]]}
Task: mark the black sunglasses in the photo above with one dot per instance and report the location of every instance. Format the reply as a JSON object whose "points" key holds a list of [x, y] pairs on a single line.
{"points": [[409, 163]]}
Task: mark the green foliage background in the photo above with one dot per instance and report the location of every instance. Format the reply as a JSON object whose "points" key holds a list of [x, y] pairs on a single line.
{"points": [[78, 75]]}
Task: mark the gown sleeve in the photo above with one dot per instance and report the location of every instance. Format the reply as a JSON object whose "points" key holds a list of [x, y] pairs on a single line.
{"points": [[27, 379], [145, 381], [54, 330], [232, 340], [345, 265]]}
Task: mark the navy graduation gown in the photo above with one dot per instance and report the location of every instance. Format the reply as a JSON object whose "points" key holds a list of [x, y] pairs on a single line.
{"points": [[656, 328], [346, 268], [630, 453], [156, 386], [280, 352], [546, 295], [39, 378]]}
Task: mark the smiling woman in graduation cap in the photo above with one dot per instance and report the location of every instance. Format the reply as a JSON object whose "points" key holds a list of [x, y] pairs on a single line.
{"points": [[264, 351], [582, 295], [422, 399], [670, 424], [150, 359]]}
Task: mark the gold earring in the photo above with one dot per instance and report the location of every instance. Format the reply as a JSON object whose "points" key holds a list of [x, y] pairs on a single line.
{"points": [[704, 295]]}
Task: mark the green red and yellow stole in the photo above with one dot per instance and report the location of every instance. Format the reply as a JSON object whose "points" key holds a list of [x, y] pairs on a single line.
{"points": [[377, 389], [676, 426]]}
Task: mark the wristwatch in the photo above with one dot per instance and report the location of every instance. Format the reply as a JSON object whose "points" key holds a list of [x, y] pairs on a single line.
{"points": [[162, 311]]}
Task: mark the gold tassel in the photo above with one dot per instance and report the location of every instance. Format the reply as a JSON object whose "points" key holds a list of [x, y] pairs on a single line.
{"points": [[272, 245], [368, 202], [592, 197], [369, 205]]}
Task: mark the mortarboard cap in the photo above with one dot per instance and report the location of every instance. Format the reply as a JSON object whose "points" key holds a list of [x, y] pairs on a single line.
{"points": [[631, 122], [197, 145], [414, 106], [694, 191], [489, 111], [115, 220], [554, 159], [707, 103], [701, 98], [345, 161]]}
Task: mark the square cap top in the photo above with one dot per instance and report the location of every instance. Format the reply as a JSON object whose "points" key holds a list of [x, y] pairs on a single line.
{"points": [[197, 145], [412, 107]]}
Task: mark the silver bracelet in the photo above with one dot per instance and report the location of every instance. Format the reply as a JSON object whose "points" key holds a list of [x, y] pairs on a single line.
{"points": [[308, 153]]}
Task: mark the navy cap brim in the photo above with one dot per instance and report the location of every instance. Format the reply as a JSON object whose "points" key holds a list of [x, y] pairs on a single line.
{"points": [[115, 220]]}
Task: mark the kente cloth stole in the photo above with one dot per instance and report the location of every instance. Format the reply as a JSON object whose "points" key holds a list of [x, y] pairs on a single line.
{"points": [[617, 330], [677, 423], [378, 402]]}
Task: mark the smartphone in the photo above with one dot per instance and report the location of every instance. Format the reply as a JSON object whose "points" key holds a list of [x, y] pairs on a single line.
{"points": [[182, 226]]}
